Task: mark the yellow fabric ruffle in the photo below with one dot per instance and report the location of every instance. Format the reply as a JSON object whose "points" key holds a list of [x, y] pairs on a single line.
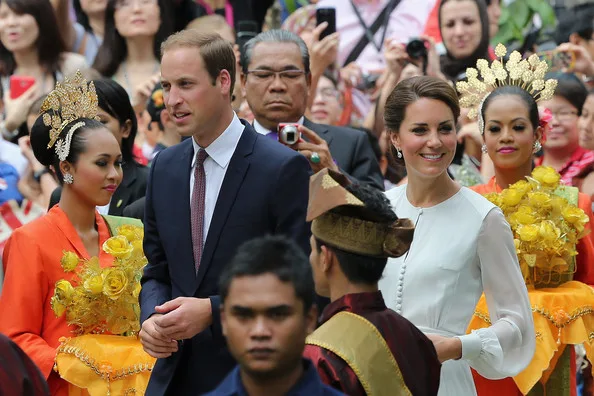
{"points": [[563, 315], [104, 365]]}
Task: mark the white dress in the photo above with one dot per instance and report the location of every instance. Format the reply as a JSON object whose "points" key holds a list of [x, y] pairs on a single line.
{"points": [[462, 247]]}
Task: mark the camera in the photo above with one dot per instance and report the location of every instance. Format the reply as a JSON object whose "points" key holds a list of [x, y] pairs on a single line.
{"points": [[416, 48], [288, 133], [368, 82]]}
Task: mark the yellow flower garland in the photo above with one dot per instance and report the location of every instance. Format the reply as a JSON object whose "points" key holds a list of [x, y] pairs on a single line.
{"points": [[546, 226]]}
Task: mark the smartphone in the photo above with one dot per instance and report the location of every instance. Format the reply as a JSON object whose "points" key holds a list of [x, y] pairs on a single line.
{"points": [[19, 85], [557, 60], [326, 15], [246, 30]]}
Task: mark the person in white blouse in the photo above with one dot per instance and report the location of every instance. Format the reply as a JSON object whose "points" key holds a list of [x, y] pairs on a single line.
{"points": [[462, 247]]}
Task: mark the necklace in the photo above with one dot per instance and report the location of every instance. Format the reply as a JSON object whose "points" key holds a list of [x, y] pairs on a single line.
{"points": [[128, 86]]}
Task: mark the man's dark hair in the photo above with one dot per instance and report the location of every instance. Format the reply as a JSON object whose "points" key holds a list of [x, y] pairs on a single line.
{"points": [[357, 268], [275, 255]]}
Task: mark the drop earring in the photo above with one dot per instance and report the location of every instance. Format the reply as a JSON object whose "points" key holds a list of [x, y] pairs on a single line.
{"points": [[398, 153], [537, 147], [484, 148], [68, 178]]}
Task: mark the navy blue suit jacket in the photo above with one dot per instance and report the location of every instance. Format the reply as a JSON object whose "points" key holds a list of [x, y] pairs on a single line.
{"points": [[265, 191]]}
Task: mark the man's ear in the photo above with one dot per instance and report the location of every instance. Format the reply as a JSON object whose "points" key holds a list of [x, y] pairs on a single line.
{"points": [[327, 259]]}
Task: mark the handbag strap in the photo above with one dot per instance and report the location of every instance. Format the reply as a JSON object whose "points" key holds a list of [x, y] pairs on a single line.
{"points": [[381, 20]]}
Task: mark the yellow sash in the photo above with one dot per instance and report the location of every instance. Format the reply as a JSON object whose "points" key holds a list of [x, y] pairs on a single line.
{"points": [[358, 342]]}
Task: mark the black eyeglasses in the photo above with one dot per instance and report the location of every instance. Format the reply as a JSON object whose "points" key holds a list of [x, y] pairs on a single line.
{"points": [[264, 75]]}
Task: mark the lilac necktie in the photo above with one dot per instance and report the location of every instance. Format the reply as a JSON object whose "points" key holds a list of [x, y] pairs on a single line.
{"points": [[272, 135], [197, 207]]}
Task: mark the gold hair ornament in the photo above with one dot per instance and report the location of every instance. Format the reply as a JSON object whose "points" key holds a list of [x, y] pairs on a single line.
{"points": [[527, 74], [69, 101]]}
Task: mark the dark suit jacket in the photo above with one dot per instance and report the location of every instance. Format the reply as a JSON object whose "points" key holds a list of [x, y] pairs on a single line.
{"points": [[265, 191], [132, 188], [352, 152]]}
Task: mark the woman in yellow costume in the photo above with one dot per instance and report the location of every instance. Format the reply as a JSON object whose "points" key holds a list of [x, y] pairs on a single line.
{"points": [[87, 159], [504, 98]]}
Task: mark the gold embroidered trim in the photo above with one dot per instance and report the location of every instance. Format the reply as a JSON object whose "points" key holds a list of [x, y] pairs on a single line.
{"points": [[366, 386], [104, 371]]}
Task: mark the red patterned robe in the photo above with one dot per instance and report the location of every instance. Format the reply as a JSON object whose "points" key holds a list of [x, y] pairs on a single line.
{"points": [[413, 351]]}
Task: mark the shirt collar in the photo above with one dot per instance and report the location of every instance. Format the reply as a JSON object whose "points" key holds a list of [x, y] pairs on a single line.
{"points": [[308, 384], [264, 131], [356, 302], [222, 149]]}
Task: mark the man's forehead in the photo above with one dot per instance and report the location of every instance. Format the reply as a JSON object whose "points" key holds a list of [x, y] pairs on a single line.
{"points": [[261, 290], [291, 54]]}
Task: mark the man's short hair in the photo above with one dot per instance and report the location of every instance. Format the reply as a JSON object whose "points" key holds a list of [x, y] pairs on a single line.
{"points": [[216, 52], [274, 36], [275, 255], [357, 268]]}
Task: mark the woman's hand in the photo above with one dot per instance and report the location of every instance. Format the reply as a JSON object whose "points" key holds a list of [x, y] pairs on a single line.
{"points": [[583, 61], [144, 91], [396, 57], [433, 63], [351, 74], [447, 348], [17, 109], [322, 52]]}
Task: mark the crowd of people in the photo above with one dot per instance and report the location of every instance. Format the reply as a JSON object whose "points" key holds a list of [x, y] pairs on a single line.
{"points": [[441, 185]]}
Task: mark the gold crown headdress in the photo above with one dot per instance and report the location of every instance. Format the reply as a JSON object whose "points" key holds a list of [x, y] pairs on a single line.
{"points": [[527, 74], [71, 100]]}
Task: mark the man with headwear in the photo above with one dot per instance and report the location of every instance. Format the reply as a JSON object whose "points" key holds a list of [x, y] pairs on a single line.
{"points": [[362, 347]]}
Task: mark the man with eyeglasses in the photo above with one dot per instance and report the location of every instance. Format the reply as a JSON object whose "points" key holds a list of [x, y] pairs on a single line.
{"points": [[276, 79]]}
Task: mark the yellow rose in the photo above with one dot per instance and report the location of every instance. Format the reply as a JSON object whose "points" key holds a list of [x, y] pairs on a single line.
{"points": [[118, 246], [132, 233], [558, 204], [64, 291], [137, 248], [539, 200], [57, 306], [528, 233], [546, 176], [524, 215], [511, 197], [69, 261], [574, 215], [549, 231], [114, 282], [522, 186], [94, 284]]}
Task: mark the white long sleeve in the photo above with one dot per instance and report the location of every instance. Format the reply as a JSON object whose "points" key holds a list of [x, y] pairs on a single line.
{"points": [[506, 347]]}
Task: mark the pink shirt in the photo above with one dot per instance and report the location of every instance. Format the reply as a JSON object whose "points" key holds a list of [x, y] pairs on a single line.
{"points": [[407, 20]]}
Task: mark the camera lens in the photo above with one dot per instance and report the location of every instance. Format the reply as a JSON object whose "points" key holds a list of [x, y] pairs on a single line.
{"points": [[416, 48]]}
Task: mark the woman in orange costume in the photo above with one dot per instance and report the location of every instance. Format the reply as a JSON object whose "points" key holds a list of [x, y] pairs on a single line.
{"points": [[512, 133], [87, 159]]}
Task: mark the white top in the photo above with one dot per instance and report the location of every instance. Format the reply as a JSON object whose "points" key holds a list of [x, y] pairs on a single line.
{"points": [[11, 153], [215, 166], [462, 247]]}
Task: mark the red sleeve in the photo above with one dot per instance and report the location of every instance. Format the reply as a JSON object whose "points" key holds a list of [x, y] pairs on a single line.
{"points": [[585, 258], [333, 371], [23, 298]]}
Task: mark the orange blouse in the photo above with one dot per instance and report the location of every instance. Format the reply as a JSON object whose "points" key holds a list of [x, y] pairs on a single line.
{"points": [[32, 267], [584, 273]]}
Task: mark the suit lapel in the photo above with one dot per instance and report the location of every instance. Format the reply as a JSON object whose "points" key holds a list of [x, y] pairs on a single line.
{"points": [[320, 129], [180, 206], [232, 182]]}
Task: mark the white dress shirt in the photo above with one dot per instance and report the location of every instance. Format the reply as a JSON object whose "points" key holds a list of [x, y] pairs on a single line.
{"points": [[462, 247], [215, 166], [264, 131]]}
